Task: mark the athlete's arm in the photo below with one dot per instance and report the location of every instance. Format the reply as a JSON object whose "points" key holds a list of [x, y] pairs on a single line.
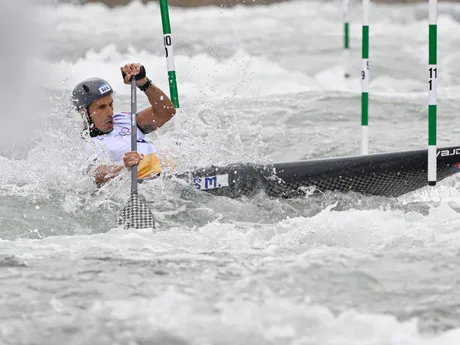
{"points": [[160, 112], [104, 173], [161, 109]]}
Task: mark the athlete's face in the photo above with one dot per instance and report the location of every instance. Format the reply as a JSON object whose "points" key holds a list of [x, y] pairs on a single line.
{"points": [[101, 113]]}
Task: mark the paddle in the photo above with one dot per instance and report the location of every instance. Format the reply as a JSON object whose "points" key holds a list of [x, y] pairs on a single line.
{"points": [[135, 214]]}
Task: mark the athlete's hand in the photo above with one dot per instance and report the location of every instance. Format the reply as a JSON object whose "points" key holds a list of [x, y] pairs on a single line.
{"points": [[133, 69], [132, 158]]}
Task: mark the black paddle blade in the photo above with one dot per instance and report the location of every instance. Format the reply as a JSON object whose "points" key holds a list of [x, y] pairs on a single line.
{"points": [[136, 215]]}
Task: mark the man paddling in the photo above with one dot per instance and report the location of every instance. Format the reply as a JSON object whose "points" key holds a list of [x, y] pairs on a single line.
{"points": [[111, 131]]}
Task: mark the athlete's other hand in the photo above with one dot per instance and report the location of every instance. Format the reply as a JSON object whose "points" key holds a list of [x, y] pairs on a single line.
{"points": [[132, 158]]}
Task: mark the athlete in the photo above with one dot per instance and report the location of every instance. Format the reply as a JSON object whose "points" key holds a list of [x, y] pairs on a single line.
{"points": [[111, 132]]}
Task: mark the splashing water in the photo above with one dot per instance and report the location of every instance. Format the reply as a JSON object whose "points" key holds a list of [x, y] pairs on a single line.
{"points": [[256, 84]]}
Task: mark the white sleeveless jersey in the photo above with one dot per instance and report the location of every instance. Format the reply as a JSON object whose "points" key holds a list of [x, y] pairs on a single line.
{"points": [[111, 147]]}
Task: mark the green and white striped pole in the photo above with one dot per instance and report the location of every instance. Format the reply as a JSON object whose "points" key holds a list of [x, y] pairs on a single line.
{"points": [[346, 32], [167, 39], [365, 80], [432, 85]]}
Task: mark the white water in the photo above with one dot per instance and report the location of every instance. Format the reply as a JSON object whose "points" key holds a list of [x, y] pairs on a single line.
{"points": [[255, 84]]}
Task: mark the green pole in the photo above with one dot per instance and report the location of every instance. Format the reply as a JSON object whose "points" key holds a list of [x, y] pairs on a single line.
{"points": [[365, 80], [346, 32], [432, 86], [167, 39]]}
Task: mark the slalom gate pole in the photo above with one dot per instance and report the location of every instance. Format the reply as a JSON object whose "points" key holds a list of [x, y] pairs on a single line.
{"points": [[167, 39], [346, 37], [432, 89], [365, 80]]}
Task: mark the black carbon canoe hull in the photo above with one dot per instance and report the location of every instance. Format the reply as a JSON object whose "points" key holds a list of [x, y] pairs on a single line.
{"points": [[384, 174]]}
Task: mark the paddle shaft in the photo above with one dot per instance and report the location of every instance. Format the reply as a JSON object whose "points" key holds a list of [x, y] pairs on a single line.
{"points": [[135, 214], [133, 134]]}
